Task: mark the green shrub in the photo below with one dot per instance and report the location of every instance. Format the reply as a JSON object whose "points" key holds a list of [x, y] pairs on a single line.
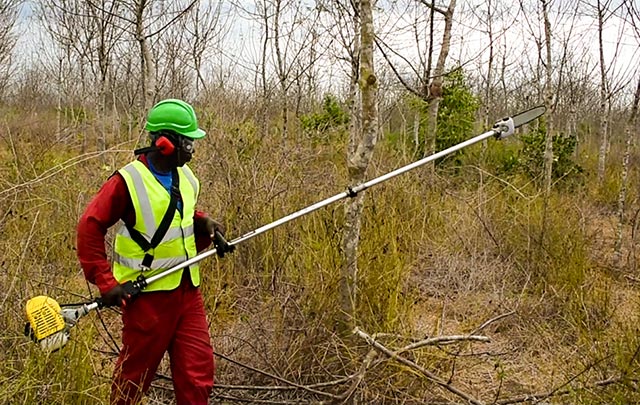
{"points": [[456, 117], [331, 116], [457, 111], [531, 157]]}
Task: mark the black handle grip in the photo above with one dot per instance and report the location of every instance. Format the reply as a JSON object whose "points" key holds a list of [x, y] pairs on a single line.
{"points": [[221, 244], [131, 289]]}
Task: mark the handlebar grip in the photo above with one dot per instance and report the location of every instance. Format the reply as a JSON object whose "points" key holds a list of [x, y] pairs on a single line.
{"points": [[221, 244]]}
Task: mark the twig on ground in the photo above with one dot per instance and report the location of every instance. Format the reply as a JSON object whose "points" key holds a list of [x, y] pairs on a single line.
{"points": [[443, 340], [428, 374], [277, 378], [359, 376], [554, 393], [490, 321]]}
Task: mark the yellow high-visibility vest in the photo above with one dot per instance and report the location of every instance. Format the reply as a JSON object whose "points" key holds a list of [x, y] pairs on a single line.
{"points": [[150, 202]]}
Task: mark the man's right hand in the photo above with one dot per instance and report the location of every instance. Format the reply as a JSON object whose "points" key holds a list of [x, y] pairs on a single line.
{"points": [[115, 297]]}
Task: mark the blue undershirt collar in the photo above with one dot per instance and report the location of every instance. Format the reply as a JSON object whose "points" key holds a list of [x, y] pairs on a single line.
{"points": [[165, 179]]}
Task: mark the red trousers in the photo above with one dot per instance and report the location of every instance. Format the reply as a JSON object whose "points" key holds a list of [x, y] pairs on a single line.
{"points": [[159, 322]]}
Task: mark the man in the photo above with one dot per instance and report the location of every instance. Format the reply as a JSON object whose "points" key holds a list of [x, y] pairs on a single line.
{"points": [[155, 197]]}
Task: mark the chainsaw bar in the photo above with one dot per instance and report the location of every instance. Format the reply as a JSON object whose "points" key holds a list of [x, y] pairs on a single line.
{"points": [[527, 116]]}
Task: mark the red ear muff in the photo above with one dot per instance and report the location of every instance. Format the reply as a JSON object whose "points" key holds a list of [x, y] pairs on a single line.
{"points": [[165, 146]]}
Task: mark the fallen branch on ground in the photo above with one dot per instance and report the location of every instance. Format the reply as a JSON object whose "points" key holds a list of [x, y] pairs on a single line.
{"points": [[428, 374]]}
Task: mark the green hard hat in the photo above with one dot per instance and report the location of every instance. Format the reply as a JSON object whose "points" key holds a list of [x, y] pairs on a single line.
{"points": [[174, 115]]}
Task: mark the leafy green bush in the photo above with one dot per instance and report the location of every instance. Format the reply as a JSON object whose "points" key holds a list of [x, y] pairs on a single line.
{"points": [[332, 115], [457, 111], [531, 157], [456, 115]]}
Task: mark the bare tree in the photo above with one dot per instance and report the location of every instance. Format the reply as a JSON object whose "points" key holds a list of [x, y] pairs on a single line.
{"points": [[359, 159], [435, 88], [605, 106], [287, 52], [343, 28], [139, 8], [289, 38], [96, 31], [70, 28], [488, 92], [8, 18], [85, 35], [613, 77], [207, 28], [631, 128], [261, 13], [102, 18], [171, 53], [630, 134], [548, 102], [542, 71], [429, 82]]}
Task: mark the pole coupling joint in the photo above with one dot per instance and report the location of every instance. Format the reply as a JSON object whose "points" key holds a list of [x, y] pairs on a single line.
{"points": [[351, 192], [504, 128]]}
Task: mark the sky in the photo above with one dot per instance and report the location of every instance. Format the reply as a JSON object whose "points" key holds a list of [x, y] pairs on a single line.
{"points": [[515, 30]]}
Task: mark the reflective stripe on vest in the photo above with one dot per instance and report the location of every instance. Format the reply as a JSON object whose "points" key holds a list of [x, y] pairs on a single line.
{"points": [[150, 201]]}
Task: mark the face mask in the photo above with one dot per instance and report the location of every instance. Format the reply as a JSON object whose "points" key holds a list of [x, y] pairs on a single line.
{"points": [[186, 145]]}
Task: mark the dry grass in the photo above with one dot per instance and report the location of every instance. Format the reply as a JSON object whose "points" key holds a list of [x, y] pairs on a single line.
{"points": [[439, 256]]}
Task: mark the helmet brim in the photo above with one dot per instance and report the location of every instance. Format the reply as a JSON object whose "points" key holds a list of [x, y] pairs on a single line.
{"points": [[197, 134]]}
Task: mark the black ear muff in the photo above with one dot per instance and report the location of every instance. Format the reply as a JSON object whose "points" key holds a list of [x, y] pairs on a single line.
{"points": [[165, 146]]}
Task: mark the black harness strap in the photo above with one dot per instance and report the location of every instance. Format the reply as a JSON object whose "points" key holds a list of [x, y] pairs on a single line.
{"points": [[164, 223]]}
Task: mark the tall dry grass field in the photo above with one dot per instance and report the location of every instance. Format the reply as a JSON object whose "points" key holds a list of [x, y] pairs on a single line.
{"points": [[440, 255]]}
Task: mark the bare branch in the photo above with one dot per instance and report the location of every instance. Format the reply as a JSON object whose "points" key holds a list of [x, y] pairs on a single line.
{"points": [[556, 393], [490, 321], [277, 378], [431, 5], [170, 22], [428, 374]]}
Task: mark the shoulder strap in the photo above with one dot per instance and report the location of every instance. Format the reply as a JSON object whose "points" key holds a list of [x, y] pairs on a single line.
{"points": [[164, 223]]}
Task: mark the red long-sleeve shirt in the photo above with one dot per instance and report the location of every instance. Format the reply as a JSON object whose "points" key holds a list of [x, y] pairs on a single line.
{"points": [[111, 204]]}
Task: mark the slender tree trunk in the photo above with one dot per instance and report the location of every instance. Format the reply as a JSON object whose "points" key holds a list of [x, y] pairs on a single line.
{"points": [[59, 101], [279, 65], [435, 89], [102, 114], [416, 130], [357, 162], [103, 68], [146, 60], [503, 79], [604, 111], [573, 129], [630, 133], [115, 116], [281, 70], [263, 119], [488, 91], [355, 105], [548, 102]]}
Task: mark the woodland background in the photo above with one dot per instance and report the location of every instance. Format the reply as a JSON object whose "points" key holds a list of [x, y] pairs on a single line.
{"points": [[504, 273]]}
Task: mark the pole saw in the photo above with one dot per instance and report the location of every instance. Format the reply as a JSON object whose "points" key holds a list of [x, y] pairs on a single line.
{"points": [[49, 323]]}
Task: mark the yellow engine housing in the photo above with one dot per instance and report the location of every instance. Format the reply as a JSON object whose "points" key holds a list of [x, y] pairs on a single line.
{"points": [[44, 316]]}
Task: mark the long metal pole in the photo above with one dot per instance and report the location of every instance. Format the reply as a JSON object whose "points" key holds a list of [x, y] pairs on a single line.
{"points": [[351, 192], [500, 130]]}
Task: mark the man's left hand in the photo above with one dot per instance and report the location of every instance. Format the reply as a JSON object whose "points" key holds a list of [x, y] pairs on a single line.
{"points": [[211, 226], [216, 232]]}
